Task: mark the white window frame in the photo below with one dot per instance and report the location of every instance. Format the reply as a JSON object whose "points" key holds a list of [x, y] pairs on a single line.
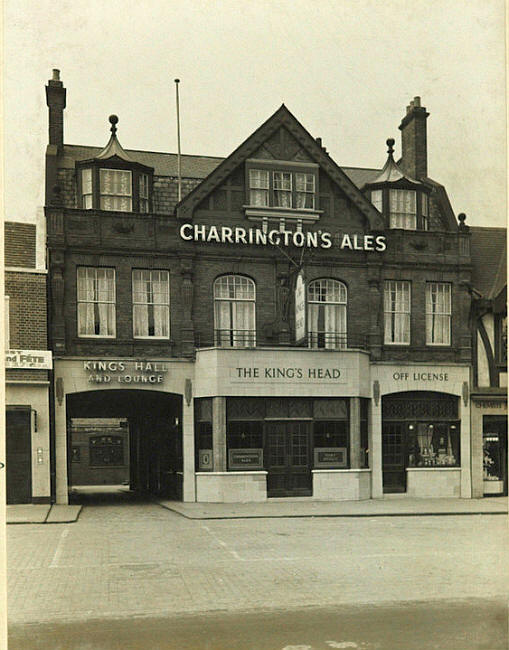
{"points": [[405, 217], [393, 312], [425, 211], [377, 199], [432, 313], [143, 193], [305, 180], [259, 185], [96, 301], [87, 188], [117, 195], [328, 288], [229, 291], [151, 301], [282, 184]]}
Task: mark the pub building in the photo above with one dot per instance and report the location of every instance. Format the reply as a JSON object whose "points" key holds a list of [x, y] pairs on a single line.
{"points": [[265, 325]]}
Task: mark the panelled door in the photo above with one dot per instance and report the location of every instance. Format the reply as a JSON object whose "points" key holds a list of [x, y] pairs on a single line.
{"points": [[19, 456], [394, 457], [288, 459]]}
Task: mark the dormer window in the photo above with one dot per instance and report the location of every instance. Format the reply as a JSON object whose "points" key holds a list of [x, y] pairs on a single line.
{"points": [[113, 181], [402, 209], [284, 186], [115, 190], [402, 200]]}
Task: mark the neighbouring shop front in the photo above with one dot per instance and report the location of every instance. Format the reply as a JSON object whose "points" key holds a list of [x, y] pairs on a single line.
{"points": [[489, 443]]}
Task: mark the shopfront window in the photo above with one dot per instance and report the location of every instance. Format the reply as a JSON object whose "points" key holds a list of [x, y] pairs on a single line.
{"points": [[327, 301], [234, 311], [495, 454], [433, 444]]}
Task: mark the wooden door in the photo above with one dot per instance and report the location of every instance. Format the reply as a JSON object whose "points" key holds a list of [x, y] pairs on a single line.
{"points": [[394, 457], [288, 459]]}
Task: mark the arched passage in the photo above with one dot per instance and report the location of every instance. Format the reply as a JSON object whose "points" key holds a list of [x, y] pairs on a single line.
{"points": [[138, 431]]}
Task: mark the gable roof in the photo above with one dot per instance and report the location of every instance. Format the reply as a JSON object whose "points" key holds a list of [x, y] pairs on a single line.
{"points": [[489, 260], [282, 117]]}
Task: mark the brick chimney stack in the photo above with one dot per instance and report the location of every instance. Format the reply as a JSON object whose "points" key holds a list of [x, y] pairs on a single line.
{"points": [[414, 157], [55, 99]]}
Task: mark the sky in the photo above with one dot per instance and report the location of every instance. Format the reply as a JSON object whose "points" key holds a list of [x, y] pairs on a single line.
{"points": [[345, 68]]}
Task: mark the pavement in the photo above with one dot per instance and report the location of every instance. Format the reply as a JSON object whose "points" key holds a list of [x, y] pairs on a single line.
{"points": [[42, 514], [388, 506]]}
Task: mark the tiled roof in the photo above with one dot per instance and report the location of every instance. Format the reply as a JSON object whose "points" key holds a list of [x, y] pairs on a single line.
{"points": [[165, 164], [489, 260]]}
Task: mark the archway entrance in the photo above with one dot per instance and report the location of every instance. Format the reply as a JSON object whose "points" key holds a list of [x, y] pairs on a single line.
{"points": [[133, 437]]}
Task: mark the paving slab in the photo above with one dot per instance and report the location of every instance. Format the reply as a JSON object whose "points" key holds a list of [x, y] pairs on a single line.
{"points": [[61, 514], [387, 507], [27, 513]]}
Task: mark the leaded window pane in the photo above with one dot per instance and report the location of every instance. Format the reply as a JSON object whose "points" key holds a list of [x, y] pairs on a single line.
{"points": [[115, 190]]}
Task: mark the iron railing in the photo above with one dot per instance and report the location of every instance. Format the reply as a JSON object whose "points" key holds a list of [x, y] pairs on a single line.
{"points": [[236, 338]]}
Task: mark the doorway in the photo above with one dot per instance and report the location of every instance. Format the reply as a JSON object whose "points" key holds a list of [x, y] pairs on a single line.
{"points": [[128, 436], [288, 453], [18, 455], [495, 455]]}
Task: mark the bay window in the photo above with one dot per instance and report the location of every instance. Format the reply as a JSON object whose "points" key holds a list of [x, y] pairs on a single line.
{"points": [[151, 304], [96, 301], [234, 311], [438, 313], [115, 187], [86, 189], [327, 301], [402, 209], [125, 187], [397, 312]]}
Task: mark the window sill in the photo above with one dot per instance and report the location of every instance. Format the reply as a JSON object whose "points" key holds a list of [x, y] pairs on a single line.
{"points": [[254, 213]]}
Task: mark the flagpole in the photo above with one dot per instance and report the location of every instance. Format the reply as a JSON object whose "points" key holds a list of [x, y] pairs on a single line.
{"points": [[179, 162]]}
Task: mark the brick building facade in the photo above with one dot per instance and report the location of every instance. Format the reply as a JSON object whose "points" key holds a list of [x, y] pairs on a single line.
{"points": [[28, 364], [289, 328]]}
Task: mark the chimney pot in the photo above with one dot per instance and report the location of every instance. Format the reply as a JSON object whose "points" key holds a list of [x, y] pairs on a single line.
{"points": [[56, 74], [417, 101]]}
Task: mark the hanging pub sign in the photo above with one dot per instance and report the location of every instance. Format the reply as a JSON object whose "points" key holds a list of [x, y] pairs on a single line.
{"points": [[300, 309]]}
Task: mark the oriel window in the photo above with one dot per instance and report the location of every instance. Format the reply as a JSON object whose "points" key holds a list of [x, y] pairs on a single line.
{"points": [[402, 209], [115, 190], [86, 189], [151, 304], [96, 301]]}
